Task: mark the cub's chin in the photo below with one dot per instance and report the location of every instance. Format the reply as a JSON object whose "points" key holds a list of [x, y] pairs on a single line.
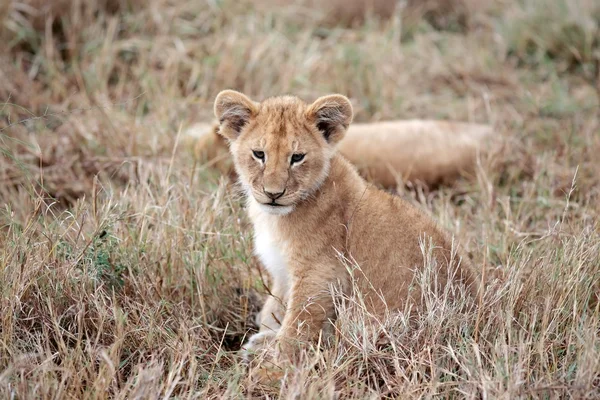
{"points": [[276, 210]]}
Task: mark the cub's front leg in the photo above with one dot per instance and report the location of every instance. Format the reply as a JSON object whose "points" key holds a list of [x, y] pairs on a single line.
{"points": [[268, 320], [310, 310]]}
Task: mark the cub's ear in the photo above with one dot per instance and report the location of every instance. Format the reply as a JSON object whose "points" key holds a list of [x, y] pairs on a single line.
{"points": [[233, 110], [332, 114]]}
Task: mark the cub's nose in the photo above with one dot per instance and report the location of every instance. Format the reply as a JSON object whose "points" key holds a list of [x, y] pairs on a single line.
{"points": [[274, 195]]}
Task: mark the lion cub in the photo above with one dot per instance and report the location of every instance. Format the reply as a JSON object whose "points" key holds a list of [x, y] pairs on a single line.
{"points": [[309, 206]]}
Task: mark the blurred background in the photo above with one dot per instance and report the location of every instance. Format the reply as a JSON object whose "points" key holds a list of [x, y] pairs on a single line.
{"points": [[97, 82], [127, 267]]}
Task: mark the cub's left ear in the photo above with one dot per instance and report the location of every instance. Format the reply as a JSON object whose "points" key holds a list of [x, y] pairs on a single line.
{"points": [[233, 110], [332, 115]]}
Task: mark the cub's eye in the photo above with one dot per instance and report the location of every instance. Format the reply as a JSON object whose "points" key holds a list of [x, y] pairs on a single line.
{"points": [[259, 154], [296, 158]]}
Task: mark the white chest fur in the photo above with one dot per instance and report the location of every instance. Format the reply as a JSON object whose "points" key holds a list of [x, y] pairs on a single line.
{"points": [[271, 255], [270, 248]]}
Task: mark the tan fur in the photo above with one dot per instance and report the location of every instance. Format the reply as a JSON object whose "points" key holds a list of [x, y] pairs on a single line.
{"points": [[431, 152], [324, 210], [210, 148], [385, 153]]}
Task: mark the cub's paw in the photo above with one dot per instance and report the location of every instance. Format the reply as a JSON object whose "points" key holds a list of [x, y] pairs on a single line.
{"points": [[267, 374], [259, 344]]}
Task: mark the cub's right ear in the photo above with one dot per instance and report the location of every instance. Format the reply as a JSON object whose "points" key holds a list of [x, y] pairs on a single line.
{"points": [[234, 110]]}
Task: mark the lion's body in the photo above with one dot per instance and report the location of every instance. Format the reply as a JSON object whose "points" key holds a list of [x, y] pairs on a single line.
{"points": [[375, 231], [426, 151], [310, 213]]}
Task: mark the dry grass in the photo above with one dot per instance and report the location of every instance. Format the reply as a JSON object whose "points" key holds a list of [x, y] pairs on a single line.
{"points": [[126, 271]]}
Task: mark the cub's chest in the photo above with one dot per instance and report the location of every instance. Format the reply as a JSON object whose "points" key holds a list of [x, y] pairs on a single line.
{"points": [[271, 252]]}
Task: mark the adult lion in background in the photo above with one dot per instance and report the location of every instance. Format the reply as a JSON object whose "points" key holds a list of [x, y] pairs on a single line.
{"points": [[385, 153]]}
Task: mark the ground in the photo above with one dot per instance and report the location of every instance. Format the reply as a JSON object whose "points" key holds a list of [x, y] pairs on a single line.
{"points": [[126, 269]]}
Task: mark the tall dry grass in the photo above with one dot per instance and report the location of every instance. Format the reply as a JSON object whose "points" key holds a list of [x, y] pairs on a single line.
{"points": [[126, 270]]}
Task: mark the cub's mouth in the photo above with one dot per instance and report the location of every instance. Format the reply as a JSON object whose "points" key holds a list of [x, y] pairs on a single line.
{"points": [[276, 208]]}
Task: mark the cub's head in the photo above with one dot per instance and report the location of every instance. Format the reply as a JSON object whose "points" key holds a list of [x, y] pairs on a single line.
{"points": [[282, 147]]}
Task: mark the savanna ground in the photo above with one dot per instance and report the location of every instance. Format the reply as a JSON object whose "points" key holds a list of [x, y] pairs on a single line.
{"points": [[126, 268]]}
